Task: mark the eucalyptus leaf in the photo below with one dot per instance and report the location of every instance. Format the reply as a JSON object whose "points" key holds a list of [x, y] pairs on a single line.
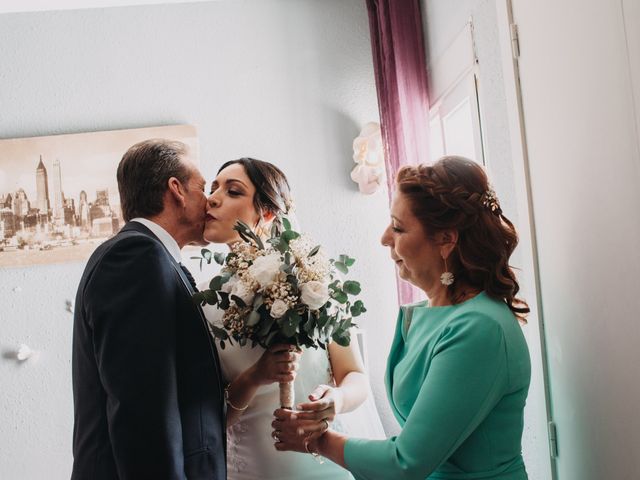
{"points": [[224, 300], [247, 234], [339, 296], [198, 297], [309, 324], [210, 297], [341, 267], [217, 282], [281, 245], [323, 319], [269, 339], [357, 308], [258, 301], [286, 223], [313, 251], [347, 260], [219, 257], [244, 236], [289, 235], [351, 287], [229, 257], [266, 326], [252, 319], [359, 304], [342, 339], [239, 302], [293, 281], [206, 254], [219, 332], [290, 324], [286, 268], [288, 328]]}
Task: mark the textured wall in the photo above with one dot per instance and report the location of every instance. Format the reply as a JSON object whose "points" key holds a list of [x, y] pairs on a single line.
{"points": [[290, 82]]}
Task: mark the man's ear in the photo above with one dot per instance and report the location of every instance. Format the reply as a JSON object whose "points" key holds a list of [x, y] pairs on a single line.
{"points": [[177, 191], [447, 240]]}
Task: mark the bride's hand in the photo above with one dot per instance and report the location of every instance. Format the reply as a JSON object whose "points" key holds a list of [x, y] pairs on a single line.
{"points": [[325, 403], [279, 364], [314, 418]]}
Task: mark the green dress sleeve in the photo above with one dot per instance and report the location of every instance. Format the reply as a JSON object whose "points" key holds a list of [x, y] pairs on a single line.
{"points": [[466, 377]]}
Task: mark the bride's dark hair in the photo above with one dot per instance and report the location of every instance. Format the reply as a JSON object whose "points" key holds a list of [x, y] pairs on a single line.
{"points": [[272, 187]]}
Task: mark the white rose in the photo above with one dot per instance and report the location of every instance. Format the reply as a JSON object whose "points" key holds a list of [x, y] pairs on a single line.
{"points": [[314, 294], [278, 308], [265, 269], [240, 289]]}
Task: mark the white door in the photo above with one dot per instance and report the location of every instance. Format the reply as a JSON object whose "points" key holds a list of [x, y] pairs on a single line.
{"points": [[580, 77]]}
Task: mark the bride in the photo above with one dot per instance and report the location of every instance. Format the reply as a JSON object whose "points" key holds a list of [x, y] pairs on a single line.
{"points": [[333, 381]]}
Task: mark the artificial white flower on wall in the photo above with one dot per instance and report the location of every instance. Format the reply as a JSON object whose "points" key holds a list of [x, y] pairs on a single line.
{"points": [[369, 156]]}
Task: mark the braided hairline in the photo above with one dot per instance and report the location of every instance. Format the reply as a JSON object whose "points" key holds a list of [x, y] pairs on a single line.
{"points": [[427, 179]]}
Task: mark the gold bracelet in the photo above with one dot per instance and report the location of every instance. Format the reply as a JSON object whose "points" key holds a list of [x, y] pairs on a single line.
{"points": [[228, 401]]}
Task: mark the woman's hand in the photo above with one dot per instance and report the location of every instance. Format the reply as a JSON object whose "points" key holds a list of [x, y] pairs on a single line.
{"points": [[311, 420], [277, 364], [289, 434], [325, 403]]}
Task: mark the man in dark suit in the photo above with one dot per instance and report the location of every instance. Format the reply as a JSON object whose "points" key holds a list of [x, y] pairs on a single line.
{"points": [[147, 387]]}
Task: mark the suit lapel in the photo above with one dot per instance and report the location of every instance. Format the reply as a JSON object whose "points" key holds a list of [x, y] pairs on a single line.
{"points": [[140, 228]]}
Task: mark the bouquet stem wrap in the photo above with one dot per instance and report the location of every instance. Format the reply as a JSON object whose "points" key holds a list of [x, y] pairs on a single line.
{"points": [[287, 395]]}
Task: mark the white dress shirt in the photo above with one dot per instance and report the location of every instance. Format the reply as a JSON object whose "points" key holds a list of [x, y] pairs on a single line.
{"points": [[167, 240]]}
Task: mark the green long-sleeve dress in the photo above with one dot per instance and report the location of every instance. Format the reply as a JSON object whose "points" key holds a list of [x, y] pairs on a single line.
{"points": [[457, 380]]}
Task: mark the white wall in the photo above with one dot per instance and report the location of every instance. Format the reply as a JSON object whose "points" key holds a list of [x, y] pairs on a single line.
{"points": [[580, 78], [286, 81], [443, 21]]}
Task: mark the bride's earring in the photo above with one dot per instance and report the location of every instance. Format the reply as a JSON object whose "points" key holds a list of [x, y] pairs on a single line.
{"points": [[261, 229], [447, 277]]}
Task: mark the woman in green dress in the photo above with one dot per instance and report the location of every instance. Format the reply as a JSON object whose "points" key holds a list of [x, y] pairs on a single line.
{"points": [[458, 372]]}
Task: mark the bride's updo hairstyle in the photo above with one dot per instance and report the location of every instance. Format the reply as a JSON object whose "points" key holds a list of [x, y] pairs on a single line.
{"points": [[272, 187], [454, 194]]}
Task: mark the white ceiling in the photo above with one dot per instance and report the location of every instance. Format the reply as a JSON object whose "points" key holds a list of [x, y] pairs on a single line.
{"points": [[7, 6]]}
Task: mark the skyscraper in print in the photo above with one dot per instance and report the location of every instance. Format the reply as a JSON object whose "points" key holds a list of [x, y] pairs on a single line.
{"points": [[42, 188]]}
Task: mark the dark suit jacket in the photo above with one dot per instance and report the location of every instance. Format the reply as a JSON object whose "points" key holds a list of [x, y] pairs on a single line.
{"points": [[147, 386]]}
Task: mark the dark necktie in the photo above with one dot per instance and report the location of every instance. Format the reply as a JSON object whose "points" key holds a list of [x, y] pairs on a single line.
{"points": [[187, 274]]}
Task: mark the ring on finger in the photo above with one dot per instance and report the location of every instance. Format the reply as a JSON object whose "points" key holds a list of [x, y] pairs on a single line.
{"points": [[326, 422], [275, 435]]}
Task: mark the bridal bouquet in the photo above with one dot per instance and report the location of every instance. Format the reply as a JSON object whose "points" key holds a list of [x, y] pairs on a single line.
{"points": [[284, 290]]}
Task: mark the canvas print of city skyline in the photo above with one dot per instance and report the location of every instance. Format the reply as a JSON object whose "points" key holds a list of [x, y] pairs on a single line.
{"points": [[59, 194]]}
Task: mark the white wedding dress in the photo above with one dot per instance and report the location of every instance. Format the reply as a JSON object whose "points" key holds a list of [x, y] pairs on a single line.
{"points": [[250, 451]]}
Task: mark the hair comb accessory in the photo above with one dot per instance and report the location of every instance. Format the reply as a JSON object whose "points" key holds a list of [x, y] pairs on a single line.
{"points": [[490, 201]]}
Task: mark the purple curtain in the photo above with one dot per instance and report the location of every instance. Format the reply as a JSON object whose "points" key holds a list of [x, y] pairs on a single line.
{"points": [[401, 79]]}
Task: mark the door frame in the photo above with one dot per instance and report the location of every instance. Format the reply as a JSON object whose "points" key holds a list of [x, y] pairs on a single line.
{"points": [[510, 52]]}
